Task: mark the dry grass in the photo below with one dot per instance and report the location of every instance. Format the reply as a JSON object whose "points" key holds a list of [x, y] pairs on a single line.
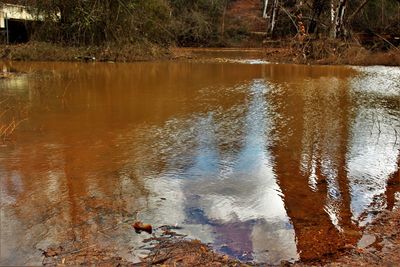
{"points": [[390, 58], [363, 57], [323, 51], [332, 52], [39, 51]]}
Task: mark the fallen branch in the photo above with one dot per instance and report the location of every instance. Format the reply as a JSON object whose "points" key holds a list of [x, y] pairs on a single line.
{"points": [[359, 8], [387, 41]]}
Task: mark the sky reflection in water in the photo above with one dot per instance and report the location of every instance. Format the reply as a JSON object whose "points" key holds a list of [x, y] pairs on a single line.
{"points": [[265, 162]]}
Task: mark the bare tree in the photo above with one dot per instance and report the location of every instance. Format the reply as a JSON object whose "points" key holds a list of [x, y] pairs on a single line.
{"points": [[317, 7], [338, 29], [273, 16], [359, 8], [333, 12], [265, 15]]}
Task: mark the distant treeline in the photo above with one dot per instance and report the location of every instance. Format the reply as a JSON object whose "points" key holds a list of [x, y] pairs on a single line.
{"points": [[333, 18], [204, 22], [94, 22]]}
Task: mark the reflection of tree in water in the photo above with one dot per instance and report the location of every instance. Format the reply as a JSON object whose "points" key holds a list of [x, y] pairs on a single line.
{"points": [[250, 168], [393, 186], [61, 197], [298, 133], [310, 164], [373, 154], [237, 191], [317, 127]]}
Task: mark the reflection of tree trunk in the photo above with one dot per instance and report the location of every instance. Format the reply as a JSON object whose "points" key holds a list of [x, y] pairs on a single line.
{"points": [[342, 176], [72, 192], [393, 186], [315, 231]]}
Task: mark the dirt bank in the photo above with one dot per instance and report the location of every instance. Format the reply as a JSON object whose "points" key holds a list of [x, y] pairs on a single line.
{"points": [[379, 246], [167, 249]]}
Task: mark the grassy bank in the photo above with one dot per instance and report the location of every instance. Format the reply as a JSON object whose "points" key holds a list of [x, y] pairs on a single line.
{"points": [[40, 51], [319, 53], [363, 57], [331, 52]]}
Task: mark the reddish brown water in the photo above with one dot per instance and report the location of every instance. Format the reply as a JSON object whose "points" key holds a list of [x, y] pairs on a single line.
{"points": [[266, 162]]}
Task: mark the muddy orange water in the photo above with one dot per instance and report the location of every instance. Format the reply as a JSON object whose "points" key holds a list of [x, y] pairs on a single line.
{"points": [[266, 162]]}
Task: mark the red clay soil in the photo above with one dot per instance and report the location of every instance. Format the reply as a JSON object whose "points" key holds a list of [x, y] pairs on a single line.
{"points": [[173, 251], [380, 246], [169, 249], [248, 12]]}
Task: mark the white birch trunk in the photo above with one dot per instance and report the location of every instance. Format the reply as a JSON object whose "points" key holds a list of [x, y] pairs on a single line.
{"points": [[265, 15], [273, 17], [338, 26]]}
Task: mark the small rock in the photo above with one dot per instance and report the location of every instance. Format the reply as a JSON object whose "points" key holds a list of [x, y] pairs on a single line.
{"points": [[285, 263], [365, 241]]}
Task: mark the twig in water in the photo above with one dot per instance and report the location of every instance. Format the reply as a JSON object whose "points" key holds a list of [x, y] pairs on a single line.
{"points": [[7, 130], [4, 100], [379, 127]]}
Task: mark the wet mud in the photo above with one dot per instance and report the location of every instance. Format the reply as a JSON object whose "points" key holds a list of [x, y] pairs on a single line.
{"points": [[379, 246]]}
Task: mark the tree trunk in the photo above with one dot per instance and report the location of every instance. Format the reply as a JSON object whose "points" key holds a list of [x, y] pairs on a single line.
{"points": [[332, 12], [273, 17], [223, 19], [317, 8], [265, 15], [338, 27]]}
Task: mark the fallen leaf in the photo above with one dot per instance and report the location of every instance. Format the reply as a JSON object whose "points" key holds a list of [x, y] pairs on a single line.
{"points": [[139, 226]]}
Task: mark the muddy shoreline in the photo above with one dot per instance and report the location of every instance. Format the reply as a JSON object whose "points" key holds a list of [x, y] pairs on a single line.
{"points": [[379, 246], [318, 54]]}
